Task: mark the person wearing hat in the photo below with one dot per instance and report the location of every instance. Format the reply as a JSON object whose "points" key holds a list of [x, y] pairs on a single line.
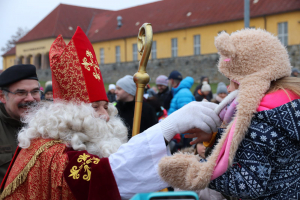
{"points": [[111, 93], [19, 89], [222, 92], [125, 95], [181, 95], [163, 89], [49, 92], [173, 81], [295, 72], [204, 93], [198, 88], [180, 91]]}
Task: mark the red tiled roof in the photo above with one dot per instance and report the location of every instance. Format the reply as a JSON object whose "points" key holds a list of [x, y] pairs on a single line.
{"points": [[170, 15], [12, 51], [166, 15], [59, 21]]}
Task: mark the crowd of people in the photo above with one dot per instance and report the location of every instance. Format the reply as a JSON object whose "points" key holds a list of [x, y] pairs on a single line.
{"points": [[169, 94], [69, 142]]}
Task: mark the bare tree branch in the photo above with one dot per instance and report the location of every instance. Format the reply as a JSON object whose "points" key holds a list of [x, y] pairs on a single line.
{"points": [[14, 38]]}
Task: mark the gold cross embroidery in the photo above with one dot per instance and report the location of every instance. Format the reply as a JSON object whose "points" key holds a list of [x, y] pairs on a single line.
{"points": [[85, 160], [87, 65]]}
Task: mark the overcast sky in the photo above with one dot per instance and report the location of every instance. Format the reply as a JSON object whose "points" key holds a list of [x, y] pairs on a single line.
{"points": [[28, 13]]}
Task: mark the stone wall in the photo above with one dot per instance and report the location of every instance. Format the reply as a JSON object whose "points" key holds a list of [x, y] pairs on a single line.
{"points": [[44, 74], [194, 66]]}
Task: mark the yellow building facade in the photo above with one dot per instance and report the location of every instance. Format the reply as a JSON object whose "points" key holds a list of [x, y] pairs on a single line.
{"points": [[122, 50], [185, 37], [8, 61], [34, 52]]}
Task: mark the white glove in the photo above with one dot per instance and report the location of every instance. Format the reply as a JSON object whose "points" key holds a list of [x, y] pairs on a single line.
{"points": [[193, 115]]}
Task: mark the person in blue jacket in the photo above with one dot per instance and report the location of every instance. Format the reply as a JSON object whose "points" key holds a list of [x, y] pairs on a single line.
{"points": [[180, 90], [181, 96]]}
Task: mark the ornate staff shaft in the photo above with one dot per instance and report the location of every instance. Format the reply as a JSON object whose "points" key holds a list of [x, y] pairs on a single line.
{"points": [[141, 78]]}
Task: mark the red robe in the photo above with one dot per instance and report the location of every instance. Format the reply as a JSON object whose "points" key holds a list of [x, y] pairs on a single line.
{"points": [[48, 169]]}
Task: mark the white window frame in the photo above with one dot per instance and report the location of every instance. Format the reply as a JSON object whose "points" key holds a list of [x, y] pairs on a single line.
{"points": [[102, 56], [134, 52], [197, 44], [174, 48], [153, 50], [282, 29], [118, 54]]}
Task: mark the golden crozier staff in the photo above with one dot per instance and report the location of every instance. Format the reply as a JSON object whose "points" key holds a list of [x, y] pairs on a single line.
{"points": [[141, 78]]}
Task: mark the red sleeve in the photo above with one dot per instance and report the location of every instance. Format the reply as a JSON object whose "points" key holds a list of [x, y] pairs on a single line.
{"points": [[90, 177], [177, 137]]}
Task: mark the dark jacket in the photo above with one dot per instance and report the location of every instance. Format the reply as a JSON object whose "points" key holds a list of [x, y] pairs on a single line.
{"points": [[126, 112], [168, 100], [200, 85], [111, 96], [267, 162], [199, 96], [9, 128], [196, 91], [163, 96]]}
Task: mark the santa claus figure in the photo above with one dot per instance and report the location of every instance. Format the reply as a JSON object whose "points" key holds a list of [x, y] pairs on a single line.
{"points": [[75, 147]]}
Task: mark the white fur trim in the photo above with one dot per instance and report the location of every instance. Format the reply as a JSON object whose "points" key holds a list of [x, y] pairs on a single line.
{"points": [[76, 126], [226, 101]]}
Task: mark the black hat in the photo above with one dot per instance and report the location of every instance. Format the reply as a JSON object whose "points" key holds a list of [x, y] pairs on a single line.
{"points": [[16, 73], [175, 75]]}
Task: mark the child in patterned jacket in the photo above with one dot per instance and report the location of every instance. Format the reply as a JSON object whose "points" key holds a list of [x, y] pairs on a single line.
{"points": [[257, 156]]}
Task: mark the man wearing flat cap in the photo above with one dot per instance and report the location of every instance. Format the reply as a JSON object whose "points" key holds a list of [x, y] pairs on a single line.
{"points": [[19, 89]]}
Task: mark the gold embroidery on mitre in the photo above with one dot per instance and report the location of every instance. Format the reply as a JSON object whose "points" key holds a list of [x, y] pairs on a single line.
{"points": [[87, 65], [85, 160], [69, 75]]}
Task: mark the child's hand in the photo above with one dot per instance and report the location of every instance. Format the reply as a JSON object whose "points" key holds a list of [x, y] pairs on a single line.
{"points": [[199, 134]]}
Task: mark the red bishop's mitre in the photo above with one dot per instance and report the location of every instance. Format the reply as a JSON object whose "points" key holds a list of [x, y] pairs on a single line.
{"points": [[75, 71]]}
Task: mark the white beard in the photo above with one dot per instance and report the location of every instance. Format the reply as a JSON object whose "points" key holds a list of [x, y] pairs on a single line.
{"points": [[75, 125]]}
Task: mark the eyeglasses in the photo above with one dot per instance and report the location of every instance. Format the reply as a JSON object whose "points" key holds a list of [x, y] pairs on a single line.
{"points": [[34, 93]]}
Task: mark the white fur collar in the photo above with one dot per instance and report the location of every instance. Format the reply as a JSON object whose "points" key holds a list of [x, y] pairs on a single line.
{"points": [[226, 101]]}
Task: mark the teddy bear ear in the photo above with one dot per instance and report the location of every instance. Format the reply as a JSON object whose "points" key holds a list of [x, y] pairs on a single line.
{"points": [[225, 45]]}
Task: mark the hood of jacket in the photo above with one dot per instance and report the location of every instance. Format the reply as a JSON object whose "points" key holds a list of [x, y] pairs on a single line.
{"points": [[185, 83]]}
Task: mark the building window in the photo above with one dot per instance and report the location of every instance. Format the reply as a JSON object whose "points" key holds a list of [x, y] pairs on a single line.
{"points": [[153, 50], [134, 52], [283, 33], [197, 45], [118, 54], [102, 56], [174, 47]]}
